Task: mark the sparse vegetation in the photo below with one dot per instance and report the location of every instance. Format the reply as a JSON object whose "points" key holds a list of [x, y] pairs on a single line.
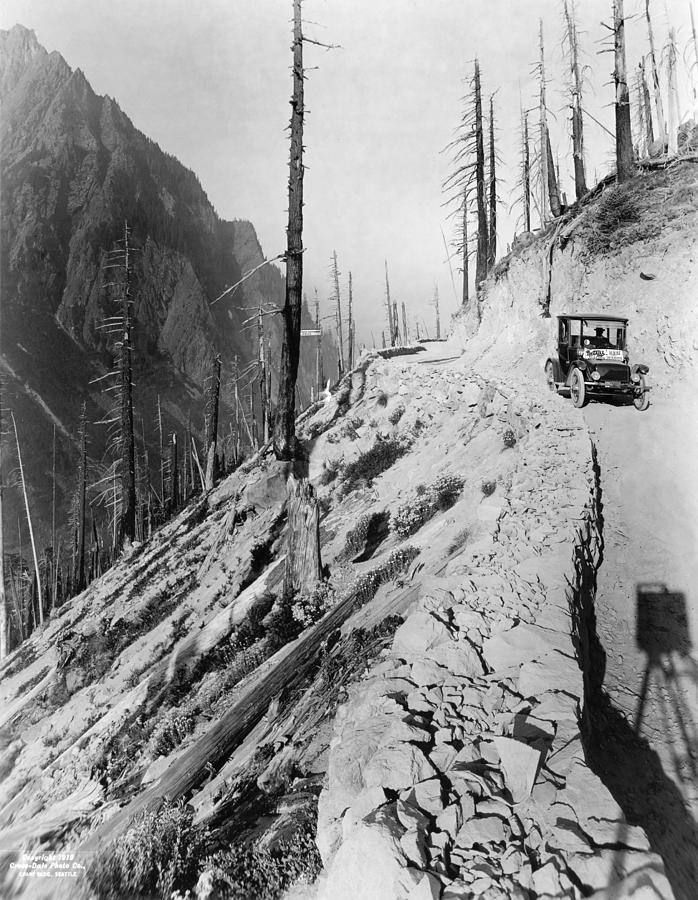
{"points": [[396, 414], [159, 853], [361, 534], [459, 540], [330, 470], [363, 471], [488, 488], [308, 607], [427, 501], [509, 439], [247, 871]]}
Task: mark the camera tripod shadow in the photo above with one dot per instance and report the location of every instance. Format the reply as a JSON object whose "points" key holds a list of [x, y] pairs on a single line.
{"points": [[623, 757]]}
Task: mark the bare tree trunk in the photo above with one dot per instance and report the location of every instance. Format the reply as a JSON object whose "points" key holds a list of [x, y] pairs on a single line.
{"points": [[492, 234], [391, 329], [526, 174], [553, 192], [4, 609], [350, 350], [162, 454], [214, 389], [466, 261], [79, 581], [695, 52], [482, 233], [673, 114], [577, 121], [543, 125], [285, 424], [319, 374], [396, 325], [338, 313], [53, 519], [404, 324], [647, 107], [624, 141], [656, 89], [174, 473], [127, 526], [303, 562], [29, 522]]}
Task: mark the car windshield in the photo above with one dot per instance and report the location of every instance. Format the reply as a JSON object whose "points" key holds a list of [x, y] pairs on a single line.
{"points": [[600, 333]]}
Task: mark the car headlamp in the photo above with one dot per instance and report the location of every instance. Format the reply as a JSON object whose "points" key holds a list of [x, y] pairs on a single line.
{"points": [[635, 377], [595, 376]]}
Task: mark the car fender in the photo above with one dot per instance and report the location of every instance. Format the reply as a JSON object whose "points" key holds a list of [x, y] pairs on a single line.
{"points": [[639, 369], [557, 371]]}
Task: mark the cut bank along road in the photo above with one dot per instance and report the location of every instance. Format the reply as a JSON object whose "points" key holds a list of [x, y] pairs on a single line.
{"points": [[647, 622]]}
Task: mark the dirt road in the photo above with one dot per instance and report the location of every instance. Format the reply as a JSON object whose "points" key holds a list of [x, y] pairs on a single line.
{"points": [[647, 621]]}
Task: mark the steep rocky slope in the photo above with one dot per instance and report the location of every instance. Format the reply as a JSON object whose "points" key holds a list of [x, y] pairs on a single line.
{"points": [[74, 169], [444, 697]]}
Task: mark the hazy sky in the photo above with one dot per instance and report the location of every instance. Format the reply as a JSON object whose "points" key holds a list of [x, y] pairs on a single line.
{"points": [[210, 82]]}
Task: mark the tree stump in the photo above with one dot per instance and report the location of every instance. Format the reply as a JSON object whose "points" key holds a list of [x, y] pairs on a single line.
{"points": [[303, 562]]}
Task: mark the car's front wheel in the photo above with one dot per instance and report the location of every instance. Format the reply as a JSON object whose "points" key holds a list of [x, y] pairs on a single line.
{"points": [[642, 400], [550, 376], [578, 389]]}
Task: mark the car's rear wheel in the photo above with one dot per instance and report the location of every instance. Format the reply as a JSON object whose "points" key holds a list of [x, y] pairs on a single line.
{"points": [[550, 376], [578, 389], [642, 401]]}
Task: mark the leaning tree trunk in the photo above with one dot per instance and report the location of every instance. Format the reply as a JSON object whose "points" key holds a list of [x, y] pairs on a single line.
{"points": [[482, 234], [285, 424], [127, 524], [37, 576], [303, 562], [553, 190], [625, 165], [656, 89], [646, 107], [212, 423]]}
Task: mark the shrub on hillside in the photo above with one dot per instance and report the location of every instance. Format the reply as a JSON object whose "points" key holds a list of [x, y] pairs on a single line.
{"points": [[159, 853], [427, 501], [330, 470], [367, 467], [310, 606], [170, 732], [509, 439], [369, 527], [396, 414], [488, 488]]}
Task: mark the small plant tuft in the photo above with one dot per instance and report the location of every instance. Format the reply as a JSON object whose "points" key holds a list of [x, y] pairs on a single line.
{"points": [[509, 439], [426, 502], [310, 606], [488, 488], [362, 471], [396, 414]]}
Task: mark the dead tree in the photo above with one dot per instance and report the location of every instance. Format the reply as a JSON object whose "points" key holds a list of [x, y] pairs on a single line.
{"points": [[303, 563], [338, 313], [285, 423], [350, 327], [694, 64], [482, 231], [492, 233], [174, 474], [526, 171], [213, 395], [405, 332], [645, 107], [625, 165], [23, 482], [553, 190], [656, 89], [4, 608], [577, 122], [127, 524], [319, 374], [543, 134], [79, 580], [396, 325], [465, 249], [674, 115], [388, 303]]}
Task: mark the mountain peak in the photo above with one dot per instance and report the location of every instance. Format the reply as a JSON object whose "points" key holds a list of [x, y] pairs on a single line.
{"points": [[18, 47]]}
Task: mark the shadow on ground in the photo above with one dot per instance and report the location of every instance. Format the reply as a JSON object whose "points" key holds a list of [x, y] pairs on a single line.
{"points": [[625, 760]]}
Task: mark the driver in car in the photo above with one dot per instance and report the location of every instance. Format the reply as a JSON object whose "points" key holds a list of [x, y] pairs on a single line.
{"points": [[599, 340]]}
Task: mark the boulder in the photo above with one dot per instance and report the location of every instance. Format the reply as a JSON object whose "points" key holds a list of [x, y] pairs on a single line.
{"points": [[396, 767], [519, 764], [418, 634]]}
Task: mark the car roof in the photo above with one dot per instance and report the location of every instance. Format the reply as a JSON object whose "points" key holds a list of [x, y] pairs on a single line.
{"points": [[601, 318]]}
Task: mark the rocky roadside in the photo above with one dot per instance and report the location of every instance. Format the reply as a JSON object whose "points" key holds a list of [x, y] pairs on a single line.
{"points": [[457, 766]]}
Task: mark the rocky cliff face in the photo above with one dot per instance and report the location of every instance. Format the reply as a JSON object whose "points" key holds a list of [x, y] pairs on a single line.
{"points": [[74, 169]]}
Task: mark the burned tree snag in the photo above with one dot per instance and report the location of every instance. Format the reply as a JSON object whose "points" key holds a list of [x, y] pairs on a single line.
{"points": [[625, 165], [646, 107], [303, 563], [127, 524], [543, 135], [405, 332], [577, 122], [464, 249], [526, 173], [338, 313], [492, 234], [214, 388], [553, 191], [482, 233], [79, 581], [37, 576], [350, 348], [438, 315], [656, 89], [285, 423], [391, 328]]}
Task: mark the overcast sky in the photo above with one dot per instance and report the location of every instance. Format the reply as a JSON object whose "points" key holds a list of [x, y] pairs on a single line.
{"points": [[210, 82]]}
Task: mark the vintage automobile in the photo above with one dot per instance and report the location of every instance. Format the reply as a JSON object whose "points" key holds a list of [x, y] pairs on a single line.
{"points": [[591, 360]]}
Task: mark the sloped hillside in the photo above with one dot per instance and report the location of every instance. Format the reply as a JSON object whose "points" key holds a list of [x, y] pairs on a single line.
{"points": [[427, 722]]}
